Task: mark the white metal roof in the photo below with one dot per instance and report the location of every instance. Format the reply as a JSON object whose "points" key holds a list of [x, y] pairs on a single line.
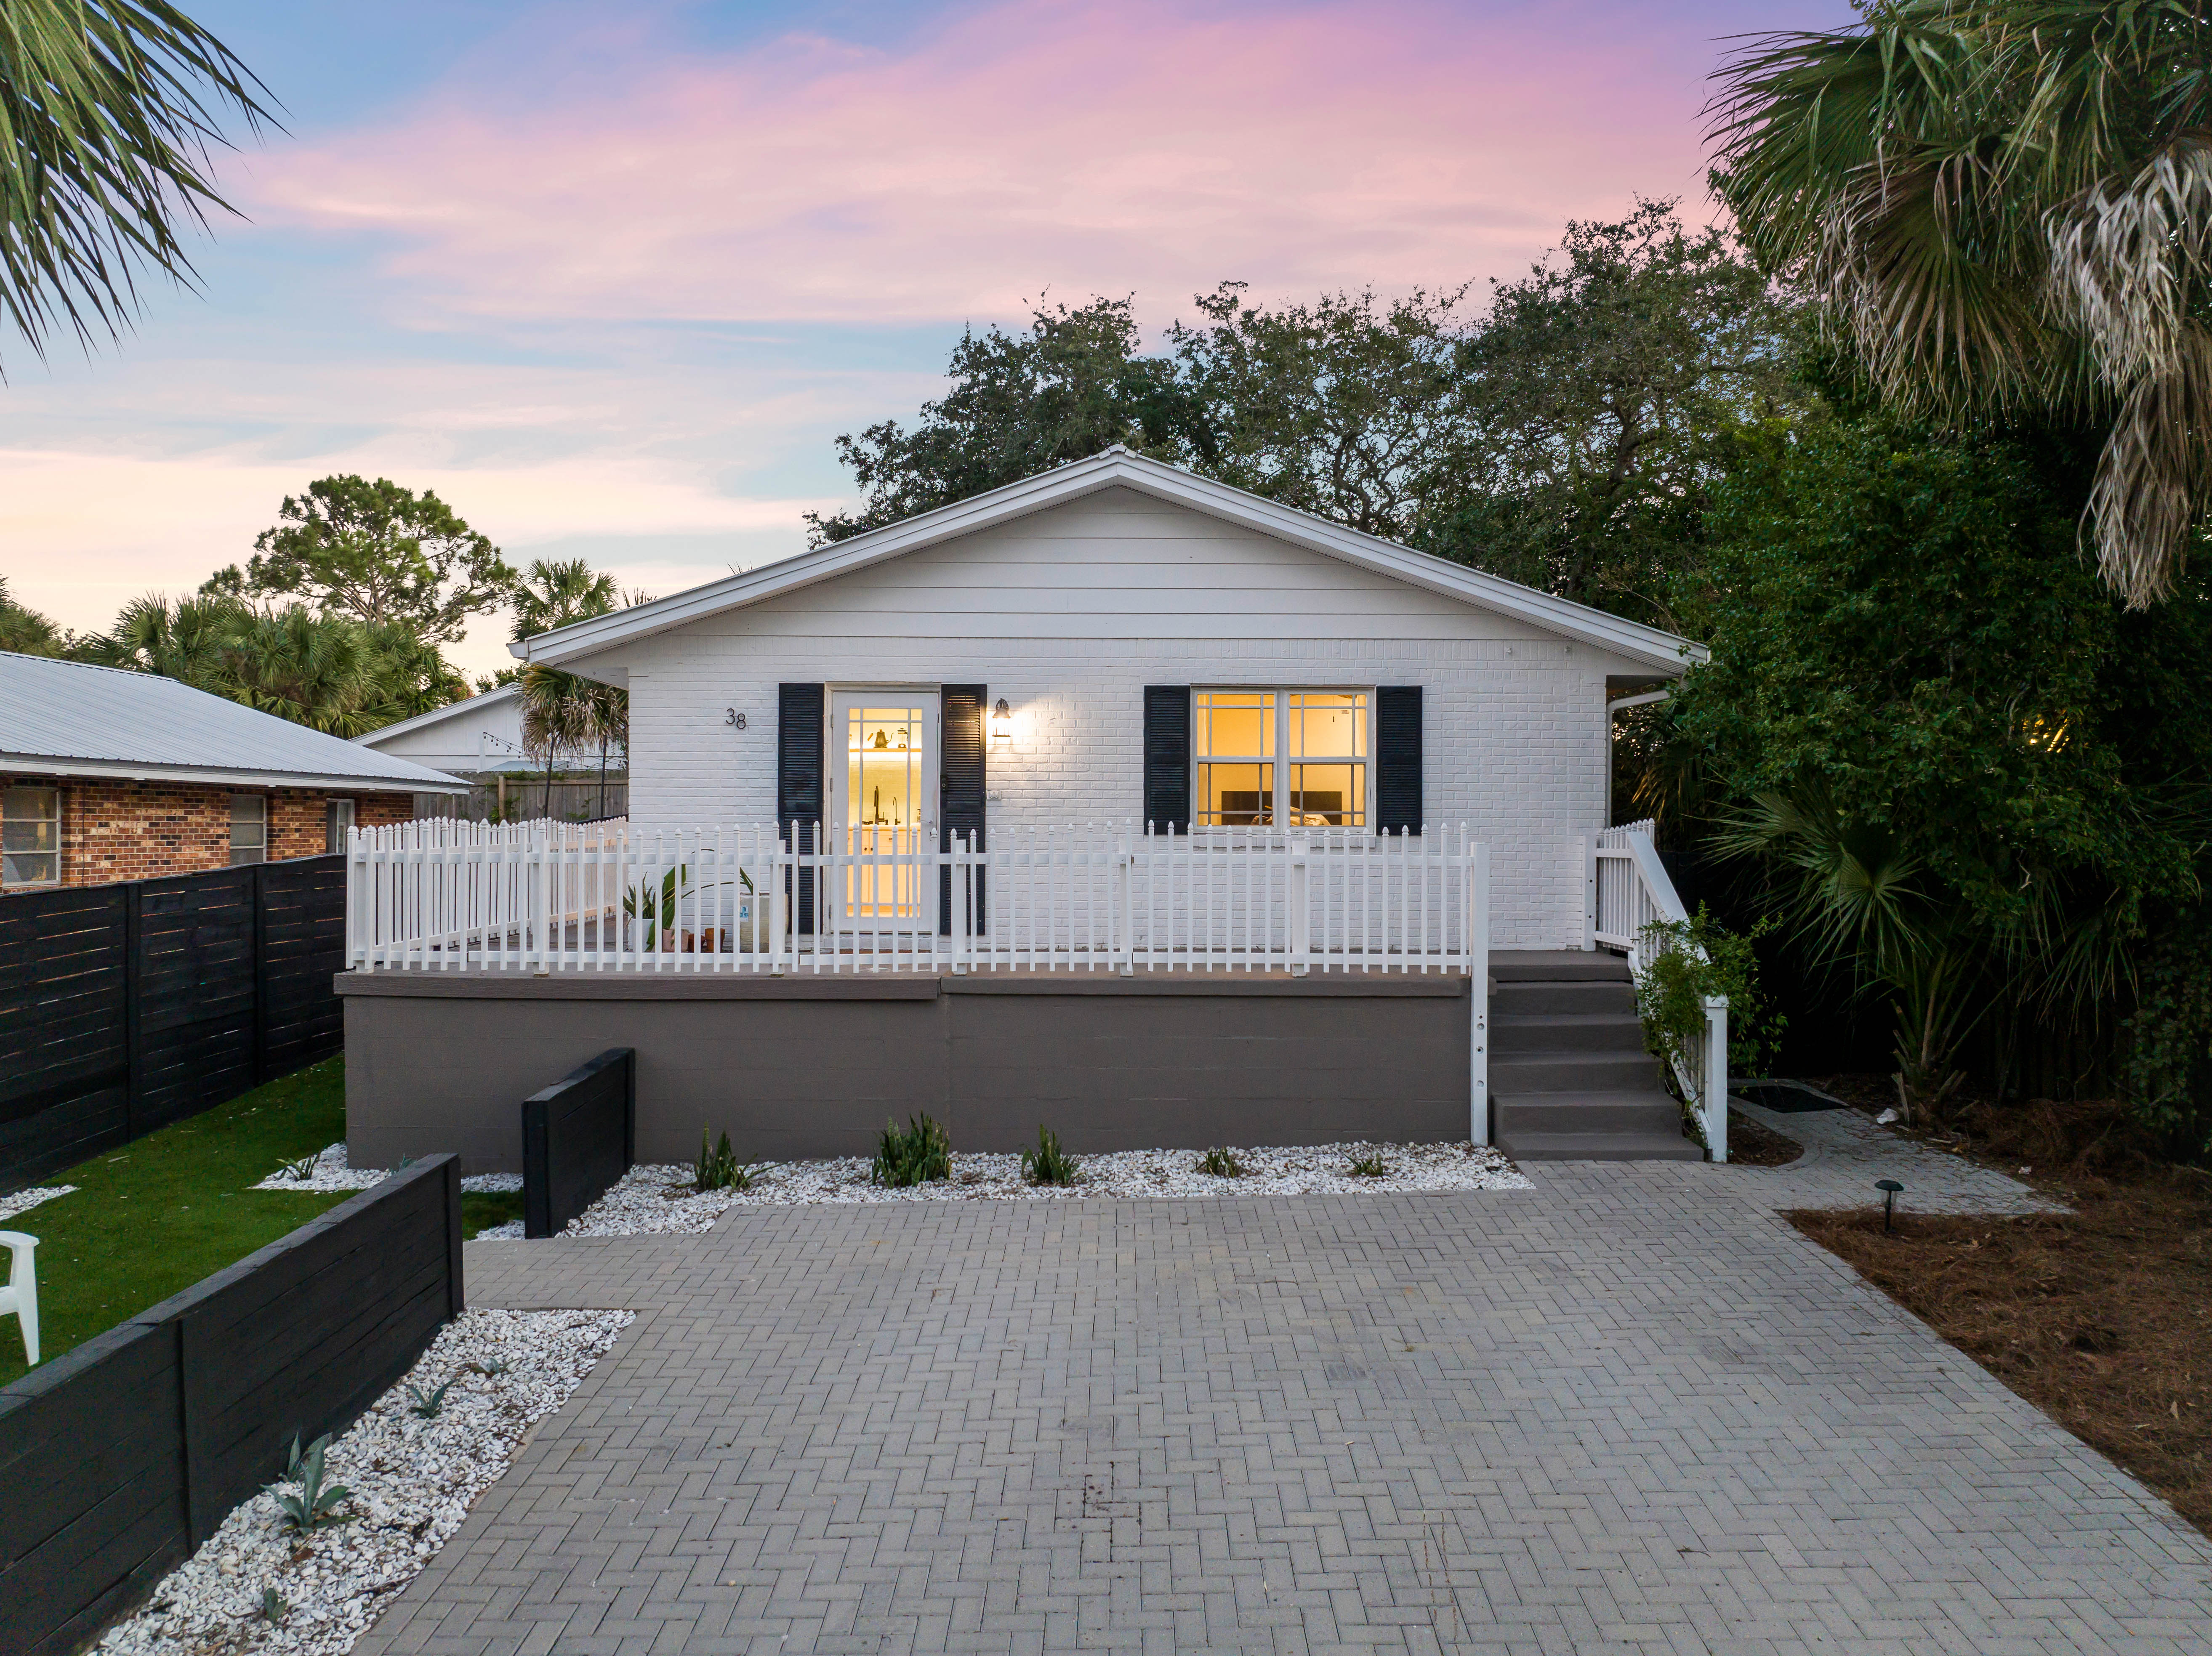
{"points": [[65, 719], [1664, 652]]}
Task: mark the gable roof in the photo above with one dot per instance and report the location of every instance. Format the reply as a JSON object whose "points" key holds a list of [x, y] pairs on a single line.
{"points": [[1117, 467], [477, 705], [66, 718]]}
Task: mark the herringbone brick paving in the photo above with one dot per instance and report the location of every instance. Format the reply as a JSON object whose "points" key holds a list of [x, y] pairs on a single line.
{"points": [[1623, 1411]]}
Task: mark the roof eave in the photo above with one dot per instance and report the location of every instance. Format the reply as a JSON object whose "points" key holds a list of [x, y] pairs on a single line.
{"points": [[33, 764], [1116, 466]]}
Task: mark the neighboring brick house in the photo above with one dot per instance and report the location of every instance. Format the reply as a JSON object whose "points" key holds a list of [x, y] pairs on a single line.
{"points": [[108, 775]]}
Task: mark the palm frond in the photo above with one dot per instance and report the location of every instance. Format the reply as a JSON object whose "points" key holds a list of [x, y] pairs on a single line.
{"points": [[2154, 475], [109, 113]]}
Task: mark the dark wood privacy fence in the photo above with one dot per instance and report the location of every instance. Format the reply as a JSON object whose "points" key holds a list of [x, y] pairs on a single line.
{"points": [[117, 1459], [125, 1007], [579, 1136]]}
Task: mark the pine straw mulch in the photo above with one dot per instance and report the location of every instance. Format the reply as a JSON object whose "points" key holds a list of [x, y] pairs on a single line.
{"points": [[2101, 1317]]}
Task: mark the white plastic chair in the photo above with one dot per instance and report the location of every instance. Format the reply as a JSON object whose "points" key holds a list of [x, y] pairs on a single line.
{"points": [[22, 1294]]}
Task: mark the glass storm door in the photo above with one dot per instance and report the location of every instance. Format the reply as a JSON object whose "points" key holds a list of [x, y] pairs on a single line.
{"points": [[882, 800]]}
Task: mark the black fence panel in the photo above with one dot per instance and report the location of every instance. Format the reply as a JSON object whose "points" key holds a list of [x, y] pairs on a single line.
{"points": [[121, 1457], [579, 1136], [64, 1053], [126, 1007]]}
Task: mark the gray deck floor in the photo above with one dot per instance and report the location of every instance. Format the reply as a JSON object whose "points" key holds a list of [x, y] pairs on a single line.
{"points": [[1629, 1409]]}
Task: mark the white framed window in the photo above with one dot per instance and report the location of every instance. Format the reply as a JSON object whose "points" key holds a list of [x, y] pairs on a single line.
{"points": [[1290, 758], [249, 829], [30, 836], [339, 821]]}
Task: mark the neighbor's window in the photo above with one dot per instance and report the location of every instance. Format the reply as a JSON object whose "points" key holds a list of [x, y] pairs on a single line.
{"points": [[1309, 745], [30, 836], [249, 829], [341, 819]]}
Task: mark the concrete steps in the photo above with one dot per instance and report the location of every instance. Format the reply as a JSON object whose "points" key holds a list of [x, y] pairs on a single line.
{"points": [[1569, 1079]]}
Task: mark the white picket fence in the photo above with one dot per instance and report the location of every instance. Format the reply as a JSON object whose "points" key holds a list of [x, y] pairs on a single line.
{"points": [[441, 895], [1634, 894]]}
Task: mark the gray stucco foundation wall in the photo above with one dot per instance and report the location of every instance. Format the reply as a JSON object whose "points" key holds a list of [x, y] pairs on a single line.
{"points": [[793, 1067]]}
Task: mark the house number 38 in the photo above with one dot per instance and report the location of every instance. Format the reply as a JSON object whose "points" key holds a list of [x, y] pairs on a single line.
{"points": [[733, 718]]}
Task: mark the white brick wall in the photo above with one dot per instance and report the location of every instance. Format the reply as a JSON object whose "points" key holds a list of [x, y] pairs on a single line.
{"points": [[1070, 613]]}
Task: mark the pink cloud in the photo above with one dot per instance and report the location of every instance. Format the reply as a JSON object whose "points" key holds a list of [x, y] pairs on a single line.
{"points": [[1083, 146]]}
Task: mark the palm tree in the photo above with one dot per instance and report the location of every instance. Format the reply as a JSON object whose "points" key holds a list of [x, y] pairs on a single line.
{"points": [[25, 631], [315, 669], [107, 113], [567, 710], [184, 640], [2008, 205], [1859, 901], [554, 594]]}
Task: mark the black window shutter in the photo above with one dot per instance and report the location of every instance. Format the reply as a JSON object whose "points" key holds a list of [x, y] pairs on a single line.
{"points": [[1398, 758], [799, 721], [1167, 758], [960, 807]]}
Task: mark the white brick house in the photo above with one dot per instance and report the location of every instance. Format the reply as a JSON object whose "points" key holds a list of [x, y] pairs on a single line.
{"points": [[1119, 640]]}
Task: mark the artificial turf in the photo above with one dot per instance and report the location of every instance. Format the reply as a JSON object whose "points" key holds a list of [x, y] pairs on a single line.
{"points": [[152, 1218]]}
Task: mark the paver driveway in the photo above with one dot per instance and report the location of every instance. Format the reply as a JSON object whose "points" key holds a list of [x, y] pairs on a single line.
{"points": [[1628, 1408]]}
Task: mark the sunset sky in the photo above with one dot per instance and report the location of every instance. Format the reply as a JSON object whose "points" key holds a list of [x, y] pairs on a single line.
{"points": [[610, 279]]}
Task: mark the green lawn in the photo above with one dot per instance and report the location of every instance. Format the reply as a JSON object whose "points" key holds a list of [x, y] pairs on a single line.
{"points": [[154, 1218]]}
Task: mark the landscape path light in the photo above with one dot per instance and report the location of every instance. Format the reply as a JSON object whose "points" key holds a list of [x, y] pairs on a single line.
{"points": [[1889, 1188]]}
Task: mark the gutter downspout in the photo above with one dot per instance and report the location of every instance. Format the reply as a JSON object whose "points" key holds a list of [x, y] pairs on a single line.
{"points": [[1643, 700]]}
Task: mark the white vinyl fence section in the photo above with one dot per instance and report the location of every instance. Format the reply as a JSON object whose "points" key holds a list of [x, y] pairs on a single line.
{"points": [[1634, 895], [441, 894]]}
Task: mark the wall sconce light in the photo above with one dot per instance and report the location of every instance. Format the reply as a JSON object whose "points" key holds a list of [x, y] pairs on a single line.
{"points": [[1002, 725]]}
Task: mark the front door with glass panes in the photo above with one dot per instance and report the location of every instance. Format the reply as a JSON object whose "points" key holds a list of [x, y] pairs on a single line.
{"points": [[882, 777]]}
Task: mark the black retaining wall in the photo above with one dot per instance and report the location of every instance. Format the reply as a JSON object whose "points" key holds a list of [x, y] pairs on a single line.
{"points": [[126, 1007], [120, 1457], [579, 1136]]}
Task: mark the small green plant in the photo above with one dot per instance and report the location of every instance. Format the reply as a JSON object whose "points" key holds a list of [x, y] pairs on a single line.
{"points": [[1371, 1166], [1685, 961], [273, 1607], [427, 1405], [302, 1169], [313, 1504], [718, 1167], [1222, 1164], [1048, 1164], [920, 1152]]}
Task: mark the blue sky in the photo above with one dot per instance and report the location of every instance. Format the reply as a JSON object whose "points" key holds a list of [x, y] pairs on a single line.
{"points": [[610, 283]]}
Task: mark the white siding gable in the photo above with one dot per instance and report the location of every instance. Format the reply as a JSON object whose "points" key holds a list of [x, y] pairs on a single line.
{"points": [[1069, 612]]}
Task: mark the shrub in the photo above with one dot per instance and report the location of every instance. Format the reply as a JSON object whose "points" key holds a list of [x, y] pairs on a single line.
{"points": [[718, 1167], [1222, 1164], [1048, 1164], [920, 1153], [1671, 998], [1371, 1166]]}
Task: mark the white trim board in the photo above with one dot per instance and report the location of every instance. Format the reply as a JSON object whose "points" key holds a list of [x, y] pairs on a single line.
{"points": [[21, 764], [1117, 467]]}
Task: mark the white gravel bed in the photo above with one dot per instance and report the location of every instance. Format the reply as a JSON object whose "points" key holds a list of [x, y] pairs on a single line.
{"points": [[650, 1199], [329, 1171], [412, 1482], [24, 1200]]}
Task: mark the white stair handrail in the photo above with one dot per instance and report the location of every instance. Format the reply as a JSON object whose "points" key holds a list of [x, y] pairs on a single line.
{"points": [[1635, 893]]}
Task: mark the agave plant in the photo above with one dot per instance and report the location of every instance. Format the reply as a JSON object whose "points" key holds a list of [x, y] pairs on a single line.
{"points": [[310, 1503], [2008, 204]]}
